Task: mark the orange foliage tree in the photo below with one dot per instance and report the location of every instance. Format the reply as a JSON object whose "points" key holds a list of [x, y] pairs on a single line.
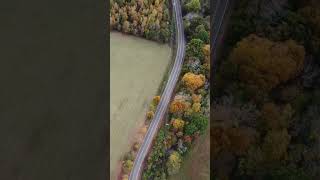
{"points": [[196, 98], [263, 64], [193, 81], [178, 106]]}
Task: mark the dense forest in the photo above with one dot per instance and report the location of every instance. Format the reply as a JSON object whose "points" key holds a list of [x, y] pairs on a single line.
{"points": [[146, 18], [266, 110]]}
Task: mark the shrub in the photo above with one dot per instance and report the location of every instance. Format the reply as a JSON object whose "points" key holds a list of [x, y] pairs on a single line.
{"points": [[127, 166], [150, 115], [174, 163]]}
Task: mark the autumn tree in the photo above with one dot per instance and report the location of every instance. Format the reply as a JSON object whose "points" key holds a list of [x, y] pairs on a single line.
{"points": [[174, 163], [240, 139], [156, 100], [263, 64], [206, 52], [236, 140], [196, 98], [127, 166], [149, 19], [275, 117], [126, 27], [275, 145], [196, 107], [193, 81], [150, 115], [178, 106], [177, 124]]}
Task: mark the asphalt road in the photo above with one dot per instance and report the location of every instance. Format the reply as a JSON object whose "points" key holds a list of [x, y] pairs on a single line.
{"points": [[165, 98]]}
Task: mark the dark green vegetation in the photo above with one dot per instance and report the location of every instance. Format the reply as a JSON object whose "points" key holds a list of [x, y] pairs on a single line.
{"points": [[266, 114]]}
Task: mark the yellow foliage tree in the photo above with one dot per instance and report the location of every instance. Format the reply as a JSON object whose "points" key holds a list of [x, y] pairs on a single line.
{"points": [[263, 64], [275, 117], [177, 123], [174, 163], [276, 144], [196, 98], [127, 166], [156, 100], [206, 52], [150, 115], [196, 107], [193, 81]]}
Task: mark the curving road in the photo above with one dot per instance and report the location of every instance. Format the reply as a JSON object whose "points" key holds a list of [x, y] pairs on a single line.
{"points": [[166, 95]]}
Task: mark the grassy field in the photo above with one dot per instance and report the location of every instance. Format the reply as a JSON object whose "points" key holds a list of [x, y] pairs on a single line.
{"points": [[197, 163], [137, 68]]}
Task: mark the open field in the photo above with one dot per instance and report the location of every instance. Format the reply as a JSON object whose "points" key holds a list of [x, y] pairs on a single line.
{"points": [[197, 162], [137, 68]]}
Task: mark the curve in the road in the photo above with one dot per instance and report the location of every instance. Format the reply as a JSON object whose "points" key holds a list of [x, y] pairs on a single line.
{"points": [[165, 98]]}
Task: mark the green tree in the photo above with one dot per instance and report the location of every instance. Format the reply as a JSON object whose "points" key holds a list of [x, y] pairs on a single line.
{"points": [[202, 34], [194, 49], [190, 129], [193, 5], [200, 121], [191, 25]]}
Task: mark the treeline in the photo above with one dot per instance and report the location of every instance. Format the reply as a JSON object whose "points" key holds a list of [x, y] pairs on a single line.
{"points": [[146, 18], [189, 110], [266, 114]]}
